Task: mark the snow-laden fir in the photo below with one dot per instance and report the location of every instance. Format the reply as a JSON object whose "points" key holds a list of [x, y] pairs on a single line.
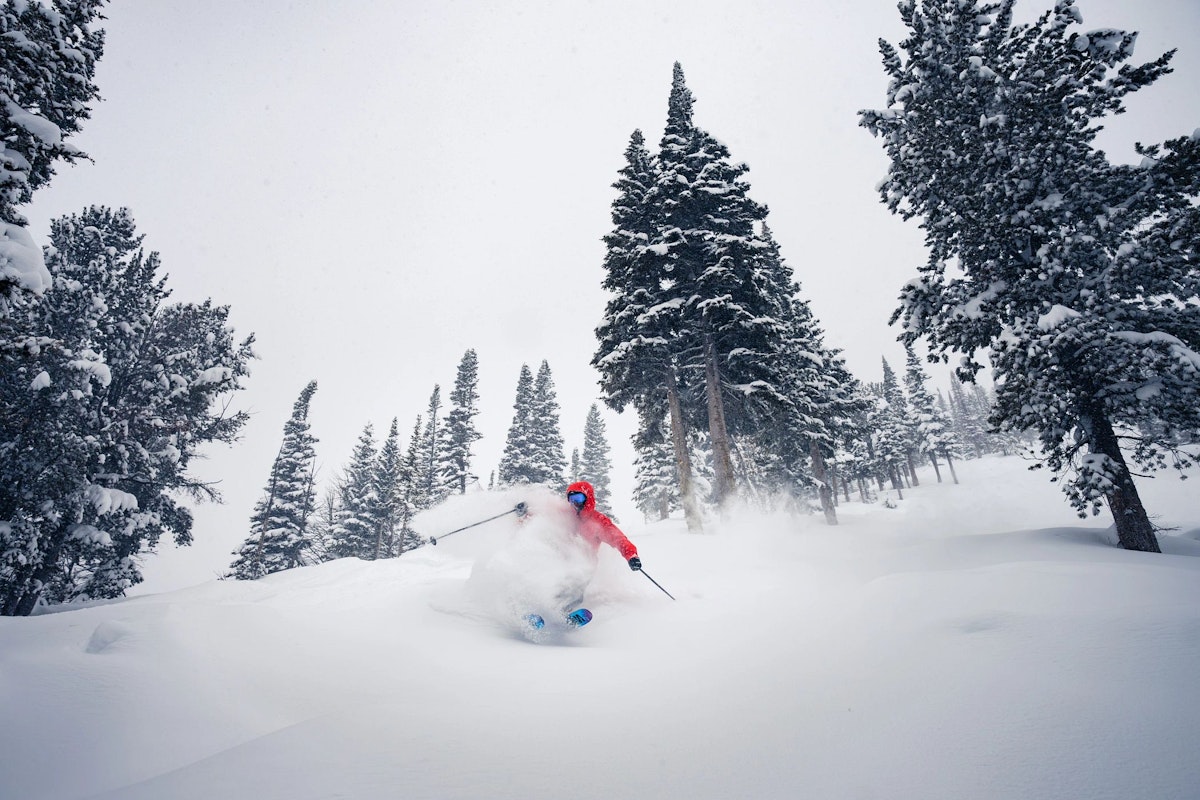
{"points": [[977, 640]]}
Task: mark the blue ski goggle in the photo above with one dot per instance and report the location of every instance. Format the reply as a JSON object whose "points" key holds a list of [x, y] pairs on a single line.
{"points": [[576, 499]]}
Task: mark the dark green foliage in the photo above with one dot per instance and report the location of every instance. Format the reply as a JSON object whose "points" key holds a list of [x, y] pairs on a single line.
{"points": [[279, 526], [1077, 276], [100, 418]]}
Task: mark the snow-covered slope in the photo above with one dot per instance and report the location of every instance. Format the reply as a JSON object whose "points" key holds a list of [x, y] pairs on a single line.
{"points": [[977, 641]]}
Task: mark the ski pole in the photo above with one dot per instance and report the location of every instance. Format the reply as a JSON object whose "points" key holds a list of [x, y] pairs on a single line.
{"points": [[656, 583], [519, 509]]}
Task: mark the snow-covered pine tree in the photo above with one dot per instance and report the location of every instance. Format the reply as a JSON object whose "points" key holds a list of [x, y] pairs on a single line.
{"points": [[901, 425], [432, 490], [389, 478], [545, 438], [279, 524], [516, 464], [1076, 275], [970, 428], [355, 529], [458, 433], [634, 356], [573, 470], [933, 431], [655, 482], [804, 397], [48, 55], [726, 303], [99, 425], [412, 498], [595, 465]]}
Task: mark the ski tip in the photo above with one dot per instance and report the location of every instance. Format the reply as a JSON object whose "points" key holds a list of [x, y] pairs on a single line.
{"points": [[534, 621], [579, 617]]}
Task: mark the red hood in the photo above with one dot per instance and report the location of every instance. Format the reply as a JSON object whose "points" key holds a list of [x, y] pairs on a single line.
{"points": [[589, 492]]}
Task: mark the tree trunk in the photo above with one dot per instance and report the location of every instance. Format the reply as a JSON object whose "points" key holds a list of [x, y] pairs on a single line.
{"points": [[912, 469], [822, 476], [1134, 529], [933, 460], [723, 480], [683, 462], [950, 464], [896, 483], [25, 598]]}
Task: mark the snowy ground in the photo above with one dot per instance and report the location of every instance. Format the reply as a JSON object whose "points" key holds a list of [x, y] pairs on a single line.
{"points": [[978, 642]]}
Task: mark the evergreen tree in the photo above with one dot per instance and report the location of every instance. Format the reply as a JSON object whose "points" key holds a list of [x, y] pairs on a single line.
{"points": [[1077, 276], [545, 440], [99, 424], [517, 464], [389, 477], [431, 491], [595, 466], [969, 426], [900, 425], [354, 531], [279, 525], [635, 357], [412, 499], [934, 436], [655, 481], [459, 433], [574, 469], [48, 55]]}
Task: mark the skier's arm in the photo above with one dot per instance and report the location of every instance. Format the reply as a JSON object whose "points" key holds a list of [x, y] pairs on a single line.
{"points": [[611, 535]]}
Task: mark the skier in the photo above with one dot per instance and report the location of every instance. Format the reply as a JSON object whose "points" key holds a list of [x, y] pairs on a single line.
{"points": [[594, 528]]}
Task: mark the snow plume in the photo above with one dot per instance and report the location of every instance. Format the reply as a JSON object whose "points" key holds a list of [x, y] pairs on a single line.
{"points": [[535, 564]]}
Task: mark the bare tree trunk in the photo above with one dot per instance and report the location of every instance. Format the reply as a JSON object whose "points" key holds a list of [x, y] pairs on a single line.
{"points": [[950, 464], [822, 476], [1134, 529], [896, 483], [912, 469], [933, 460], [723, 480], [683, 462]]}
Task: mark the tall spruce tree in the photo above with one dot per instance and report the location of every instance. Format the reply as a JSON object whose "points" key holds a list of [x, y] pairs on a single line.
{"points": [[546, 441], [655, 481], [1078, 276], [279, 524], [432, 491], [595, 465], [459, 433], [48, 55], [99, 425], [389, 488], [356, 525], [934, 436], [412, 499], [636, 356], [517, 463]]}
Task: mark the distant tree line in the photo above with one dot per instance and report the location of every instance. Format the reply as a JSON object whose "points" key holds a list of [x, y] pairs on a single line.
{"points": [[367, 510]]}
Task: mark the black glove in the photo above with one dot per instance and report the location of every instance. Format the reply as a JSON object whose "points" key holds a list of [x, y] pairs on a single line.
{"points": [[635, 563]]}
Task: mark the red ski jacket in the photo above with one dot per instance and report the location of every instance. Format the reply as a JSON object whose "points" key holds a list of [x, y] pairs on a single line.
{"points": [[596, 527]]}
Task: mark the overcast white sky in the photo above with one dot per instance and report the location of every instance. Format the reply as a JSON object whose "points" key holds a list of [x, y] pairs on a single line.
{"points": [[375, 187]]}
